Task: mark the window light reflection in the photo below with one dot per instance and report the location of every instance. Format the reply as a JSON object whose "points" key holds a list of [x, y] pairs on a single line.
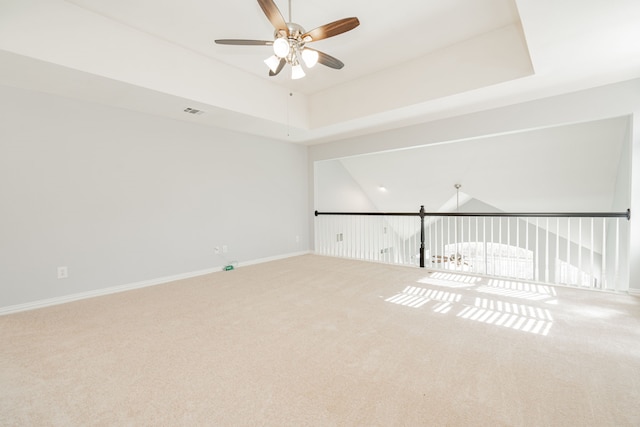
{"points": [[472, 304]]}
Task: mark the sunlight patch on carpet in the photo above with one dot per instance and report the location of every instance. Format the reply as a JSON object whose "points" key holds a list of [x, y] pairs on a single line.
{"points": [[450, 280], [413, 296], [504, 310], [519, 317], [521, 290]]}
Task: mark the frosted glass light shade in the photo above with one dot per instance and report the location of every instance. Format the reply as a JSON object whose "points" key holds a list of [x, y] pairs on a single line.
{"points": [[310, 57], [297, 72], [272, 62], [281, 47]]}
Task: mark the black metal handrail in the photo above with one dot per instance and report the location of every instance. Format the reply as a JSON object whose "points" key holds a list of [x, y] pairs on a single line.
{"points": [[626, 214], [422, 214]]}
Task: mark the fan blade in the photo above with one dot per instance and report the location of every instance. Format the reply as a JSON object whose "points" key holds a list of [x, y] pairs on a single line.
{"points": [[330, 30], [273, 15], [280, 67], [328, 60], [245, 42]]}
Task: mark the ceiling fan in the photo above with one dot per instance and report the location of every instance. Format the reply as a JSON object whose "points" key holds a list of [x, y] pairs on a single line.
{"points": [[290, 40]]}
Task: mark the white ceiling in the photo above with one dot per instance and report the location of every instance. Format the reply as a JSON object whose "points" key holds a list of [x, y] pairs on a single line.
{"points": [[405, 31], [409, 61], [580, 164]]}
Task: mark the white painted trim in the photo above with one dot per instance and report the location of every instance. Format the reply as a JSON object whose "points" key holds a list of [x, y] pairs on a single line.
{"points": [[128, 287], [634, 292], [273, 258]]}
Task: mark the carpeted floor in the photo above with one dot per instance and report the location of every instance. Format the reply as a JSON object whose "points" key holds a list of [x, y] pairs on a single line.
{"points": [[319, 341]]}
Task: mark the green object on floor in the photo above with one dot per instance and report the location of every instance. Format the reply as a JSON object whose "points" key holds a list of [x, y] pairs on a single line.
{"points": [[228, 267]]}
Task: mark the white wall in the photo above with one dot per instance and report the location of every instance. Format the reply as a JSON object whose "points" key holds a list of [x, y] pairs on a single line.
{"points": [[634, 234], [337, 191], [621, 202], [121, 197]]}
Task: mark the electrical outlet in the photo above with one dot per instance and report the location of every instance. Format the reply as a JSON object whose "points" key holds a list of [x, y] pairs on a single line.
{"points": [[216, 250], [225, 249], [63, 272], [297, 239]]}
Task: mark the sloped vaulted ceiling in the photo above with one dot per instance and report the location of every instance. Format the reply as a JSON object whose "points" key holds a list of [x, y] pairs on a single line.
{"points": [[579, 164]]}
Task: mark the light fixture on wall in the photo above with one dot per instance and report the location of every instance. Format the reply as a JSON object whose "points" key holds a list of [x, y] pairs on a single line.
{"points": [[290, 39], [382, 188]]}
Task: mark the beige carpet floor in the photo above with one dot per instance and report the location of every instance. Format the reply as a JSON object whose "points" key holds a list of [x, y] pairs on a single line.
{"points": [[318, 341]]}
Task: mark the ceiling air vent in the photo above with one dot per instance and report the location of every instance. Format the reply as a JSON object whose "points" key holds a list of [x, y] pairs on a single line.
{"points": [[193, 111]]}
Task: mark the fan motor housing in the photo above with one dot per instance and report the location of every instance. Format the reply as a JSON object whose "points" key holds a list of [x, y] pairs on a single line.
{"points": [[295, 31]]}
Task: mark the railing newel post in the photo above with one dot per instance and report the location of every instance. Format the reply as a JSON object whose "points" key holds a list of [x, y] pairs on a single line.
{"points": [[422, 236]]}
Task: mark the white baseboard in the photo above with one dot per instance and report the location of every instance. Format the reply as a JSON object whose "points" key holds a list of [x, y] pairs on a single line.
{"points": [[273, 258], [128, 287], [634, 292]]}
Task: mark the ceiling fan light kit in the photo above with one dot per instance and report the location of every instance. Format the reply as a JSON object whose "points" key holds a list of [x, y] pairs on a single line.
{"points": [[310, 57], [290, 40], [272, 62], [281, 47], [297, 72]]}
